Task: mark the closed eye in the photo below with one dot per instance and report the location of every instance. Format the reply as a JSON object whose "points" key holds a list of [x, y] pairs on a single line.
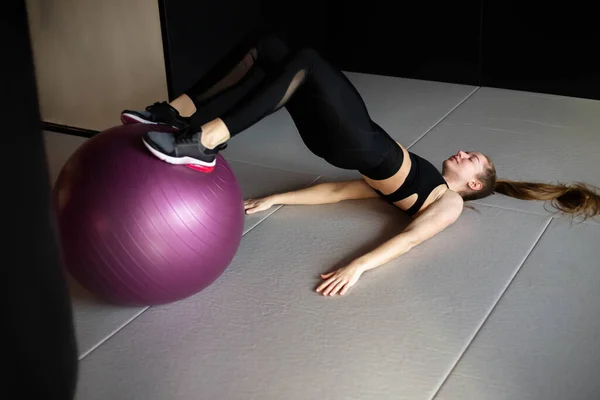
{"points": [[478, 160]]}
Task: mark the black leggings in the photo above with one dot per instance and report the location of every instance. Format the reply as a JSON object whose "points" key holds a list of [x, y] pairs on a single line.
{"points": [[260, 76]]}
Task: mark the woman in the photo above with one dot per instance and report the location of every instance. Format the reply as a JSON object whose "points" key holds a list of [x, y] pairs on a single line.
{"points": [[262, 76]]}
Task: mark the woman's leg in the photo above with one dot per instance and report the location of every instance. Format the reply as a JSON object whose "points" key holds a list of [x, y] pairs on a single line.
{"points": [[220, 78], [260, 101], [230, 70], [261, 60], [277, 87], [223, 85], [273, 93], [184, 105]]}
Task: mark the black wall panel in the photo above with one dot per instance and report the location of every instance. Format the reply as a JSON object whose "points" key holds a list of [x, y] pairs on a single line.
{"points": [[436, 41], [533, 46], [307, 23], [541, 46], [415, 40], [197, 34]]}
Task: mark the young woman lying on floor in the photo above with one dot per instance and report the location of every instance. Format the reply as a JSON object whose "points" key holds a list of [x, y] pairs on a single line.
{"points": [[263, 75]]}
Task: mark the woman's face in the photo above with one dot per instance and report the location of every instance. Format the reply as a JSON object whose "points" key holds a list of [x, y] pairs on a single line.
{"points": [[465, 166]]}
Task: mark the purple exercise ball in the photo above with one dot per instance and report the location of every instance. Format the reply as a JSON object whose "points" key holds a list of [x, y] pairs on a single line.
{"points": [[135, 230]]}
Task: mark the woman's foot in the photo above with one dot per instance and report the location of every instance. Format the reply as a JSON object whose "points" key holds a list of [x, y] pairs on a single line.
{"points": [[182, 148], [158, 113]]}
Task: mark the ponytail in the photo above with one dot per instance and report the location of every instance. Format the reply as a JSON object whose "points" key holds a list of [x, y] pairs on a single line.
{"points": [[578, 199]]}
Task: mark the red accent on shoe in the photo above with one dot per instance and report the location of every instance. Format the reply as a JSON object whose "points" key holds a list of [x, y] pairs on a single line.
{"points": [[201, 168]]}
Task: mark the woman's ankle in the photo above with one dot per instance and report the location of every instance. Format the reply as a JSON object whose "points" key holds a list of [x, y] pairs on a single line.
{"points": [[184, 105], [214, 133]]}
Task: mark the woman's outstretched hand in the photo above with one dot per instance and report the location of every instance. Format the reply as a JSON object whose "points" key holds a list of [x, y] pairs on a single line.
{"points": [[340, 280], [256, 205]]}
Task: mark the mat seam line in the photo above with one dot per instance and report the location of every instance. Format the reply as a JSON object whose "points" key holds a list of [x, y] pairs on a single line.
{"points": [[113, 333], [483, 322], [268, 166], [444, 117], [524, 211], [507, 208], [407, 147]]}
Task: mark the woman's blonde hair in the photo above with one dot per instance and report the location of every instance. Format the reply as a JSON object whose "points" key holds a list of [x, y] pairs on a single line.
{"points": [[578, 199]]}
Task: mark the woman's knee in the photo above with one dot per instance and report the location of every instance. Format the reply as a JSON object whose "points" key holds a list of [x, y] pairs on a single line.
{"points": [[272, 49]]}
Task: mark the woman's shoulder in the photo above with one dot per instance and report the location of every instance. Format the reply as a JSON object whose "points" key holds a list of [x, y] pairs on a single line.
{"points": [[451, 197], [442, 191], [445, 197]]}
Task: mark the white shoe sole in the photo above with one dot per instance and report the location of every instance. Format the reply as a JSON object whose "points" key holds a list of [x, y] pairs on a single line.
{"points": [[180, 160], [136, 118]]}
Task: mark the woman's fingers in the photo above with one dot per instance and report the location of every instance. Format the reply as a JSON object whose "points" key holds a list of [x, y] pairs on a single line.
{"points": [[338, 286], [324, 284], [345, 289], [255, 205], [334, 282], [335, 286], [330, 286]]}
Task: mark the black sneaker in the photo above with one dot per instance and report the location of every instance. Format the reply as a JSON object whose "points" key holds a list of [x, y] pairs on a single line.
{"points": [[158, 113], [182, 148]]}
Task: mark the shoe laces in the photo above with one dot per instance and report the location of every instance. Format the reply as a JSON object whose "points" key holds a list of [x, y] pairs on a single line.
{"points": [[150, 107], [186, 136]]}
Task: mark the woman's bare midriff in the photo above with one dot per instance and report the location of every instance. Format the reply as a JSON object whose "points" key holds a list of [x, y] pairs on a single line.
{"points": [[391, 184]]}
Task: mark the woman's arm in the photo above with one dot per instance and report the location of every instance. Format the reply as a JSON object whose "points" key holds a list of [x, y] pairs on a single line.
{"points": [[433, 220], [322, 193]]}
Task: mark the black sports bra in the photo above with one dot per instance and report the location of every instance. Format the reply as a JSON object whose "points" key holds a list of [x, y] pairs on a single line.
{"points": [[422, 178]]}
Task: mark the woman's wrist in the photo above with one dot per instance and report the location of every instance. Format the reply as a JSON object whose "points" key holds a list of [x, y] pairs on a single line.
{"points": [[275, 199], [360, 264]]}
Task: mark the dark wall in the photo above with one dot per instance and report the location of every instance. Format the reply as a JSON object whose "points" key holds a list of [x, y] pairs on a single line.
{"points": [[435, 41], [412, 41], [531, 46], [197, 34], [542, 47]]}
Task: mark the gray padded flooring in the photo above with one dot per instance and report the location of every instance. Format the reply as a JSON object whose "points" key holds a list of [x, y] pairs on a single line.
{"points": [[501, 305]]}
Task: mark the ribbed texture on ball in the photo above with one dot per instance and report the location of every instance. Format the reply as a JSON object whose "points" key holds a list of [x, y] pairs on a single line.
{"points": [[135, 230]]}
